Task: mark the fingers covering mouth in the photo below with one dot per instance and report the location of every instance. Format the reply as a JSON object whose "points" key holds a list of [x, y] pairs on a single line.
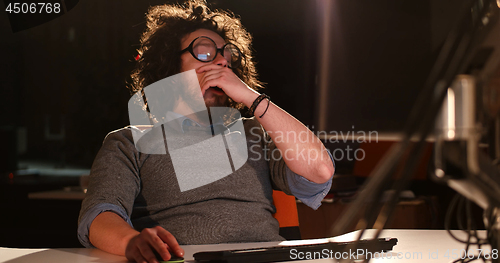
{"points": [[215, 90]]}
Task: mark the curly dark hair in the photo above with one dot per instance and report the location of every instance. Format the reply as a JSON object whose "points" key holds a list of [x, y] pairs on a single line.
{"points": [[159, 53]]}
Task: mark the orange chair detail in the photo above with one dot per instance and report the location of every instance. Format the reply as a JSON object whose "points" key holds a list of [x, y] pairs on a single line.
{"points": [[286, 214]]}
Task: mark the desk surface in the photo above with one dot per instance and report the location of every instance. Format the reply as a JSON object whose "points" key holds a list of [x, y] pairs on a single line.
{"points": [[413, 246]]}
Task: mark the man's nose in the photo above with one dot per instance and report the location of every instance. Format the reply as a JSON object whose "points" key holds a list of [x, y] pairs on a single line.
{"points": [[220, 60]]}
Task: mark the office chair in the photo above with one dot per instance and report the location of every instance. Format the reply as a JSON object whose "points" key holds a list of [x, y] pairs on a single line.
{"points": [[287, 215]]}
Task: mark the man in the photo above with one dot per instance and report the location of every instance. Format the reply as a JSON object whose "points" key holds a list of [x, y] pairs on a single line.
{"points": [[135, 204]]}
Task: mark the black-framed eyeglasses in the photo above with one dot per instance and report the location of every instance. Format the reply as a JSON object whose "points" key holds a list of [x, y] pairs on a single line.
{"points": [[204, 49]]}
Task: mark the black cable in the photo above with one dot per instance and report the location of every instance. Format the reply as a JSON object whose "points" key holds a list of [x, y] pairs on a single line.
{"points": [[471, 226], [479, 242], [471, 229], [469, 234], [448, 215], [460, 206]]}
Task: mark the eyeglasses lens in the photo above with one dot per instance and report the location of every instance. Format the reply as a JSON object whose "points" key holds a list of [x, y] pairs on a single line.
{"points": [[232, 54], [204, 49]]}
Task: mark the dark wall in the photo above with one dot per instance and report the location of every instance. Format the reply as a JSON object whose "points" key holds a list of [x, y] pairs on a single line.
{"points": [[68, 76], [381, 54]]}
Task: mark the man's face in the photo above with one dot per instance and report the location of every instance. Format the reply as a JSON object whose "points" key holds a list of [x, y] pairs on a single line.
{"points": [[212, 96]]}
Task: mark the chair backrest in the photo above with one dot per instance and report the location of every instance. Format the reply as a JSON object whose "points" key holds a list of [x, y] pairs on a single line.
{"points": [[287, 215]]}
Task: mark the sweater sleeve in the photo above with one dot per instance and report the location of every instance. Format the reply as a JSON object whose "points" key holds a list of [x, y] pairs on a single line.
{"points": [[310, 193], [286, 180], [114, 181]]}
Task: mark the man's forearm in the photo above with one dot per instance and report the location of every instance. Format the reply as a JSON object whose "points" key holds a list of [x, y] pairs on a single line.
{"points": [[302, 151], [304, 154], [109, 232]]}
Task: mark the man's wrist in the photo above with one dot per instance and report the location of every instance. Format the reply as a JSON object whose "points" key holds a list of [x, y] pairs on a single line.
{"points": [[262, 106], [127, 238], [250, 98]]}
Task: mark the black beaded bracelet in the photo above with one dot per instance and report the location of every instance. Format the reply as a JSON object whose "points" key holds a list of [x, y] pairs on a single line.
{"points": [[256, 103], [268, 102]]}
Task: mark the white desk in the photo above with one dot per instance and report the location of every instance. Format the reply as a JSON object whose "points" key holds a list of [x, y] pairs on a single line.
{"points": [[415, 245]]}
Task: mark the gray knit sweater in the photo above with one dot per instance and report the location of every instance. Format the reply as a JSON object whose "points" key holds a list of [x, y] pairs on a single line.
{"points": [[143, 188]]}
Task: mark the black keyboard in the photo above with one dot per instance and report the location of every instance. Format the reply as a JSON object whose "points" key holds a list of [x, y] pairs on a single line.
{"points": [[298, 252]]}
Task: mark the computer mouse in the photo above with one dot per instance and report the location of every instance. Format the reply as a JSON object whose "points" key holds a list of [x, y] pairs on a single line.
{"points": [[174, 259]]}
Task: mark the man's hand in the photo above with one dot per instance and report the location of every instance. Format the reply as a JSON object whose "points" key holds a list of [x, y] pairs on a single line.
{"points": [[315, 165], [223, 77], [141, 247]]}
